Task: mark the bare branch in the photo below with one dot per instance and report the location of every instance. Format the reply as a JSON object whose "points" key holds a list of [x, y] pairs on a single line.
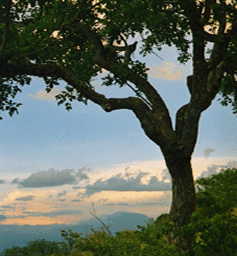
{"points": [[140, 96], [94, 214]]}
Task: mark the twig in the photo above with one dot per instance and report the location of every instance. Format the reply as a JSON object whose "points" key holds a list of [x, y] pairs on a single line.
{"points": [[139, 95], [93, 213]]}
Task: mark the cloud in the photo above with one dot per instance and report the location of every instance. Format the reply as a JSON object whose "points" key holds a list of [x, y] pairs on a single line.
{"points": [[44, 96], [63, 193], [48, 178], [52, 178], [164, 200], [25, 198], [130, 182], [61, 200], [215, 169], [8, 207], [62, 212], [161, 202], [119, 204], [15, 181], [212, 170], [232, 164], [208, 151], [2, 217], [167, 71], [55, 213], [81, 173], [2, 181]]}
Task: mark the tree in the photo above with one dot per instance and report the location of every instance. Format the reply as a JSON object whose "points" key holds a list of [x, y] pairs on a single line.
{"points": [[75, 40]]}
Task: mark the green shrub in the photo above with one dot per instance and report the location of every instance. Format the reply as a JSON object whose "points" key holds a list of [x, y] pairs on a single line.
{"points": [[34, 248], [212, 230], [152, 239]]}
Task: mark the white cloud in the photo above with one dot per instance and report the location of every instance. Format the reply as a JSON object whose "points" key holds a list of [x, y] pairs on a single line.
{"points": [[44, 96], [48, 178], [128, 182], [52, 178], [167, 71]]}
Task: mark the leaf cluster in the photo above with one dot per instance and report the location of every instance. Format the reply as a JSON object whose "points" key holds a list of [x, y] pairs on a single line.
{"points": [[9, 88]]}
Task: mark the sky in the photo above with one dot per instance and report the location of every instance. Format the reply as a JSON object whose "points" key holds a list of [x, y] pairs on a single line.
{"points": [[54, 164]]}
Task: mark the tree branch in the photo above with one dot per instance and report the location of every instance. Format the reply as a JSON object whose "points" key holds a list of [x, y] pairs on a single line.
{"points": [[7, 26], [102, 59], [128, 49], [94, 214], [161, 129], [194, 16], [52, 70], [207, 12]]}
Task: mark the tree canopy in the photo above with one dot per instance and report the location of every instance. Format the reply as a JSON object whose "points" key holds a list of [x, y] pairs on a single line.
{"points": [[77, 40]]}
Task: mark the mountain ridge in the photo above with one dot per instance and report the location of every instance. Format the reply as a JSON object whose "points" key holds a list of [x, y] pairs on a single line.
{"points": [[15, 235]]}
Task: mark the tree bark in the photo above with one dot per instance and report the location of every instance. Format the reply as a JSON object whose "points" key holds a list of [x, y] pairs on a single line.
{"points": [[183, 193]]}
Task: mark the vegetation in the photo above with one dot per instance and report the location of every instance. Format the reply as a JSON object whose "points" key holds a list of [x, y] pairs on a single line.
{"points": [[212, 230], [76, 40]]}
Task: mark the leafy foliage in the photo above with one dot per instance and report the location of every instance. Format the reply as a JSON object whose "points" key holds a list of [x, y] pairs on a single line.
{"points": [[228, 91], [44, 32], [212, 230], [35, 248], [217, 194], [9, 90]]}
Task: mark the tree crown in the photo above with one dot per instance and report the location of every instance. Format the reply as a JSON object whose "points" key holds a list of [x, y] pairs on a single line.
{"points": [[75, 40]]}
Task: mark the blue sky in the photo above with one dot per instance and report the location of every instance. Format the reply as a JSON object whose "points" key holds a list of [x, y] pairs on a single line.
{"points": [[55, 163]]}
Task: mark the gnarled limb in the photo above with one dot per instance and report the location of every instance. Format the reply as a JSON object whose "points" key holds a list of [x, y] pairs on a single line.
{"points": [[48, 70], [102, 60]]}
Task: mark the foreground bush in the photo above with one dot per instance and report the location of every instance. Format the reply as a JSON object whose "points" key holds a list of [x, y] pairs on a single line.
{"points": [[150, 240], [212, 230], [35, 248]]}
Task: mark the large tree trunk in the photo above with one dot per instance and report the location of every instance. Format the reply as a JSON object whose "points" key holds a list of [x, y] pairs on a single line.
{"points": [[183, 191]]}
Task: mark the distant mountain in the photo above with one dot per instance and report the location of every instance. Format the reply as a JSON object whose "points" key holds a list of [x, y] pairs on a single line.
{"points": [[117, 221], [14, 235]]}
